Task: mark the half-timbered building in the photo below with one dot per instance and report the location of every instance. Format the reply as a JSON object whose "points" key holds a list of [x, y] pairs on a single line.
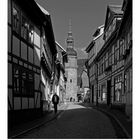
{"points": [[27, 42], [125, 37], [110, 66], [61, 60]]}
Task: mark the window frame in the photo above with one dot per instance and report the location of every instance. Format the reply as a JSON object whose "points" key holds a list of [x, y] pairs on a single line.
{"points": [[24, 28], [117, 81], [110, 57], [26, 84], [16, 19]]}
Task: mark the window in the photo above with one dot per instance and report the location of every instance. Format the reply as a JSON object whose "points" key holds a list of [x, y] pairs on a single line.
{"points": [[125, 82], [99, 93], [23, 82], [106, 65], [21, 22], [116, 56], [16, 81], [121, 48], [31, 34], [109, 57], [128, 81], [16, 19], [118, 88], [24, 28], [103, 92], [101, 66]]}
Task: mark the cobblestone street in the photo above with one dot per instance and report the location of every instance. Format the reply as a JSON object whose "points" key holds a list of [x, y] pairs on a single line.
{"points": [[76, 122]]}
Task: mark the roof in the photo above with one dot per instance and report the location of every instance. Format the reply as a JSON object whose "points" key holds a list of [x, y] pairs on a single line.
{"points": [[116, 9], [127, 7], [71, 51], [89, 47], [98, 32], [42, 9], [112, 12], [60, 46]]}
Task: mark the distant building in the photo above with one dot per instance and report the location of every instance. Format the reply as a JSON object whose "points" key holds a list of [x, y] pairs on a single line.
{"points": [[71, 68], [31, 48], [84, 85], [81, 68]]}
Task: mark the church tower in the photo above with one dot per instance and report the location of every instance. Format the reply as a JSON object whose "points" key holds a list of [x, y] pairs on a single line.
{"points": [[71, 67]]}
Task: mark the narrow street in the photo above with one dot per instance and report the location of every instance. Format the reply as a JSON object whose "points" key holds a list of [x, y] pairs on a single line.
{"points": [[74, 55], [76, 121]]}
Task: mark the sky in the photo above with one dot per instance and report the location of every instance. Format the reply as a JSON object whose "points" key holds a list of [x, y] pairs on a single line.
{"points": [[86, 16]]}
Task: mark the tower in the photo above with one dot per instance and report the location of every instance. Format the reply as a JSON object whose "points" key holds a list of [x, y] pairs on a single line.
{"points": [[71, 66]]}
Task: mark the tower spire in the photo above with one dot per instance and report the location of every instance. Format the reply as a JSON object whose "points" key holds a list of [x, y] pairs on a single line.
{"points": [[70, 26], [70, 40]]}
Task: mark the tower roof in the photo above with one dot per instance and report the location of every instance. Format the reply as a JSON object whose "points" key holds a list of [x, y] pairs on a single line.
{"points": [[71, 51], [70, 42]]}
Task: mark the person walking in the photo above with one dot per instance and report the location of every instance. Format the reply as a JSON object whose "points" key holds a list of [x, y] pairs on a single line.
{"points": [[55, 100]]}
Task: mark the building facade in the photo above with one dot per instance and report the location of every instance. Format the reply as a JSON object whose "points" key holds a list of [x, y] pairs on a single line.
{"points": [[112, 66], [110, 62], [80, 69], [71, 68], [26, 48], [84, 85], [92, 50], [125, 36], [61, 60], [48, 53]]}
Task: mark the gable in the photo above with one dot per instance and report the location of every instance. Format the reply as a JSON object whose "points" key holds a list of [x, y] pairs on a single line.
{"points": [[112, 11], [109, 16]]}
